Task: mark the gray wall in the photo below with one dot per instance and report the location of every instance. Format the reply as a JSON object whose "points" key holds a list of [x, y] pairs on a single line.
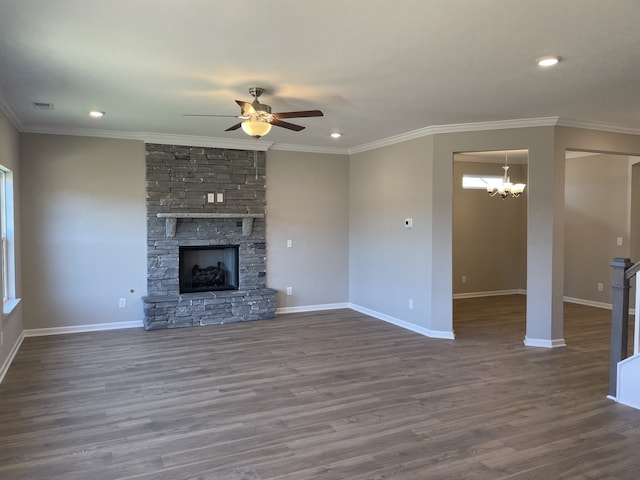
{"points": [[83, 204], [489, 233], [12, 325], [83, 193], [389, 264], [577, 139], [545, 184], [596, 213], [84, 199], [307, 203]]}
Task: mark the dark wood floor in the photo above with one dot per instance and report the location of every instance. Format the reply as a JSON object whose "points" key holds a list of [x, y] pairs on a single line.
{"points": [[325, 395]]}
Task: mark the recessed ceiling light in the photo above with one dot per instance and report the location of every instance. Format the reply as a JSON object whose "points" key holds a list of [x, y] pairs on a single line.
{"points": [[96, 114], [336, 135], [549, 61]]}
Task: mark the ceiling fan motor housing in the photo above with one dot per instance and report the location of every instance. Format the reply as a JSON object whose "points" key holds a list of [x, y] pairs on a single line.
{"points": [[261, 107]]}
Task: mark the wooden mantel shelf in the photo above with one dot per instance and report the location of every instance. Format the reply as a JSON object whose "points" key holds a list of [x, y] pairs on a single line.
{"points": [[172, 220]]}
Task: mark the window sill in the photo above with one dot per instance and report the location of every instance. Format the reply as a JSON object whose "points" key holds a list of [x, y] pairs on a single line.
{"points": [[9, 306]]}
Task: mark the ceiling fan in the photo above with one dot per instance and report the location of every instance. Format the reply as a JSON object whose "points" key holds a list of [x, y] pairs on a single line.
{"points": [[258, 119]]}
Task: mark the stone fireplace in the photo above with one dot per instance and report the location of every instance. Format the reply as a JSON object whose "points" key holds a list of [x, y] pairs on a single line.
{"points": [[206, 250]]}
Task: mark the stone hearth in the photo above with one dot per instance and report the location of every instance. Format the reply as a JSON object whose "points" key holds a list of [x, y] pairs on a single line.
{"points": [[199, 197]]}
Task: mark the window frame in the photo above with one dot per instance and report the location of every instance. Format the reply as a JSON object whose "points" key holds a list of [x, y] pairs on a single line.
{"points": [[7, 237]]}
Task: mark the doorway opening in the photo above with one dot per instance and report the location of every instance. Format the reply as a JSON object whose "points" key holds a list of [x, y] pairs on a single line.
{"points": [[489, 248]]}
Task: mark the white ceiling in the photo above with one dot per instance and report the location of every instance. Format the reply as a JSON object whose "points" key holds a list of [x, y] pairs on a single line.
{"points": [[378, 69]]}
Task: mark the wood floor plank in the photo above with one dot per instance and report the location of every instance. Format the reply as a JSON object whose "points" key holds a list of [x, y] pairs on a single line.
{"points": [[320, 395]]}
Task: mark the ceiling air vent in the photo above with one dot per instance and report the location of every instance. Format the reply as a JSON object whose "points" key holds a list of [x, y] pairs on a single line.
{"points": [[43, 105]]}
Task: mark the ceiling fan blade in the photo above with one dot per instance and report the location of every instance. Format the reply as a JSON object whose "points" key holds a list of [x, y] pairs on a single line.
{"points": [[304, 113], [246, 107], [234, 127], [290, 126], [208, 115]]}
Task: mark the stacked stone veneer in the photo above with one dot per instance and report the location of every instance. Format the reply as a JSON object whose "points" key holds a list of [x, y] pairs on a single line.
{"points": [[178, 181]]}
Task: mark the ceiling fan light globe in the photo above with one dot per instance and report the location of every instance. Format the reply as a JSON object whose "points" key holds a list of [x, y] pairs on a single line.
{"points": [[256, 128]]}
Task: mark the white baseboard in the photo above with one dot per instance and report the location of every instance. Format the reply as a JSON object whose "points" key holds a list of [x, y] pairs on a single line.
{"points": [[312, 308], [544, 343], [39, 332], [448, 335], [12, 354], [493, 293], [380, 316], [588, 303]]}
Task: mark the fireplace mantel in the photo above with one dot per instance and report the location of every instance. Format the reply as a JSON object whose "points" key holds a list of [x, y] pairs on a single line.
{"points": [[172, 220]]}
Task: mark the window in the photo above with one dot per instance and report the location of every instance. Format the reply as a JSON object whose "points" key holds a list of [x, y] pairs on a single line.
{"points": [[7, 262], [480, 182], [4, 261]]}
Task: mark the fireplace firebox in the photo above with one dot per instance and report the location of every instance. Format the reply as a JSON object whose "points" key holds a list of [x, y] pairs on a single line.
{"points": [[208, 268]]}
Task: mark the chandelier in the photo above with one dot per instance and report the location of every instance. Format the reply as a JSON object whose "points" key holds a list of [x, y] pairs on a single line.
{"points": [[506, 188]]}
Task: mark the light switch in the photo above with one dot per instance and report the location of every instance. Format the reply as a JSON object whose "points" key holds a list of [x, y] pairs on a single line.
{"points": [[210, 198], [219, 197], [289, 243]]}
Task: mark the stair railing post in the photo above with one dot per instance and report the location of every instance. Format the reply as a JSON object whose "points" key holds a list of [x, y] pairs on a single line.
{"points": [[619, 320]]}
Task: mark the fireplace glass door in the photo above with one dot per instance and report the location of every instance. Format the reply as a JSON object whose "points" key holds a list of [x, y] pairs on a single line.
{"points": [[208, 268]]}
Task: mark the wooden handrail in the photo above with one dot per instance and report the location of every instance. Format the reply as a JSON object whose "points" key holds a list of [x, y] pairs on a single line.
{"points": [[631, 271]]}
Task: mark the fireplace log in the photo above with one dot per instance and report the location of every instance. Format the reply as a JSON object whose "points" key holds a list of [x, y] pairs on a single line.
{"points": [[208, 276]]}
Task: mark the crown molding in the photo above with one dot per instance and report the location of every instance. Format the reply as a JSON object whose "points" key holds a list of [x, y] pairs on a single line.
{"points": [[603, 127], [287, 147], [263, 145], [148, 137], [80, 132], [10, 113], [213, 142], [185, 140], [456, 128]]}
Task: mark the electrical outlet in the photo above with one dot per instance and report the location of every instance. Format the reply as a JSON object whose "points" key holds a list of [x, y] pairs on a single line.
{"points": [[464, 279], [600, 287], [122, 303], [411, 304], [289, 290]]}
